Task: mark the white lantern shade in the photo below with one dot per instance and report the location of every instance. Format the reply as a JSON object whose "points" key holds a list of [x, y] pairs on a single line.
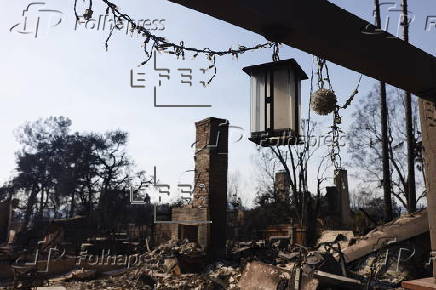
{"points": [[275, 101]]}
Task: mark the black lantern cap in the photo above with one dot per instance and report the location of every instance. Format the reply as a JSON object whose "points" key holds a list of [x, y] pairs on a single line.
{"points": [[277, 65]]}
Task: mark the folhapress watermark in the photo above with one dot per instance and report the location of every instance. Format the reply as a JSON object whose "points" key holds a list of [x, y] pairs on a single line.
{"points": [[36, 17], [105, 22], [39, 18], [106, 258]]}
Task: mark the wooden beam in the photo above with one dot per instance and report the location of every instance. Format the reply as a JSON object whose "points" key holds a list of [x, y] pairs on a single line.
{"points": [[421, 284], [323, 29], [341, 282], [402, 229], [428, 127]]}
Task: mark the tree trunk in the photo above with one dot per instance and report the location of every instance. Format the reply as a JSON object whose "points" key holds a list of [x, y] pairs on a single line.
{"points": [[29, 207], [41, 204], [73, 204], [384, 131], [411, 188]]}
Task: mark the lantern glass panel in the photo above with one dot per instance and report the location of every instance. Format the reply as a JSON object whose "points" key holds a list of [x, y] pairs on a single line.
{"points": [[284, 103], [258, 102]]}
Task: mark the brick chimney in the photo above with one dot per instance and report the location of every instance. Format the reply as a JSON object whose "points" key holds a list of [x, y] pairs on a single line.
{"points": [[209, 201], [210, 191], [282, 186]]}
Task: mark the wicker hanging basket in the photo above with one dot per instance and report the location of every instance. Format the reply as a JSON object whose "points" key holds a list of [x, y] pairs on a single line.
{"points": [[323, 101]]}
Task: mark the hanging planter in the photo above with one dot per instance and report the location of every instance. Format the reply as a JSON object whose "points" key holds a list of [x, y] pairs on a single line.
{"points": [[323, 101]]}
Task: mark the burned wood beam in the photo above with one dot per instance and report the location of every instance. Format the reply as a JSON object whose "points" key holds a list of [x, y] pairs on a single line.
{"points": [[324, 29], [404, 228], [327, 279], [428, 124]]}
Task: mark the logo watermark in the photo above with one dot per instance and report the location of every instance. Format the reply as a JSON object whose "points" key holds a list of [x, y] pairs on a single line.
{"points": [[106, 258], [105, 22], [38, 18], [185, 76], [53, 255], [395, 19], [430, 23]]}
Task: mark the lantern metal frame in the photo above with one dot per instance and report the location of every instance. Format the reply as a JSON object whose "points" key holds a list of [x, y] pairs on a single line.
{"points": [[272, 136]]}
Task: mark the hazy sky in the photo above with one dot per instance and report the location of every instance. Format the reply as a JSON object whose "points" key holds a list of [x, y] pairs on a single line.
{"points": [[66, 70]]}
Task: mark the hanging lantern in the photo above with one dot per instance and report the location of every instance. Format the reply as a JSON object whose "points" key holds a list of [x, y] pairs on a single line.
{"points": [[275, 102]]}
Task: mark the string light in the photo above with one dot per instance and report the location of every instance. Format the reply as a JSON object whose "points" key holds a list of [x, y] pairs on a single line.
{"points": [[153, 42]]}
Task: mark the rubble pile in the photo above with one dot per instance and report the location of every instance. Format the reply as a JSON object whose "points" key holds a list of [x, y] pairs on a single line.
{"points": [[227, 274], [174, 265], [177, 247], [278, 265], [383, 259], [182, 265], [395, 262]]}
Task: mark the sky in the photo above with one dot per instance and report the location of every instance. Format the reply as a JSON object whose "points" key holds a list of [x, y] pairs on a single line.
{"points": [[65, 70]]}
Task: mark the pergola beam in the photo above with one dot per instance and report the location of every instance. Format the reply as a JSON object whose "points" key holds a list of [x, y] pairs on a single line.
{"points": [[323, 29]]}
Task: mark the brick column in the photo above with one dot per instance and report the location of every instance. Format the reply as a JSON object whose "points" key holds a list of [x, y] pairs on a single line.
{"points": [[282, 186], [210, 191], [341, 182]]}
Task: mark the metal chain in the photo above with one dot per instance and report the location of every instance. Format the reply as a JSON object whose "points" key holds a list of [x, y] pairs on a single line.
{"points": [[319, 73], [335, 149], [323, 74], [275, 55]]}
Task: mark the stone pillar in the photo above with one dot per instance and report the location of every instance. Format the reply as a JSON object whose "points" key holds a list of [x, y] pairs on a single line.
{"points": [[210, 191], [341, 182], [282, 186], [427, 111]]}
